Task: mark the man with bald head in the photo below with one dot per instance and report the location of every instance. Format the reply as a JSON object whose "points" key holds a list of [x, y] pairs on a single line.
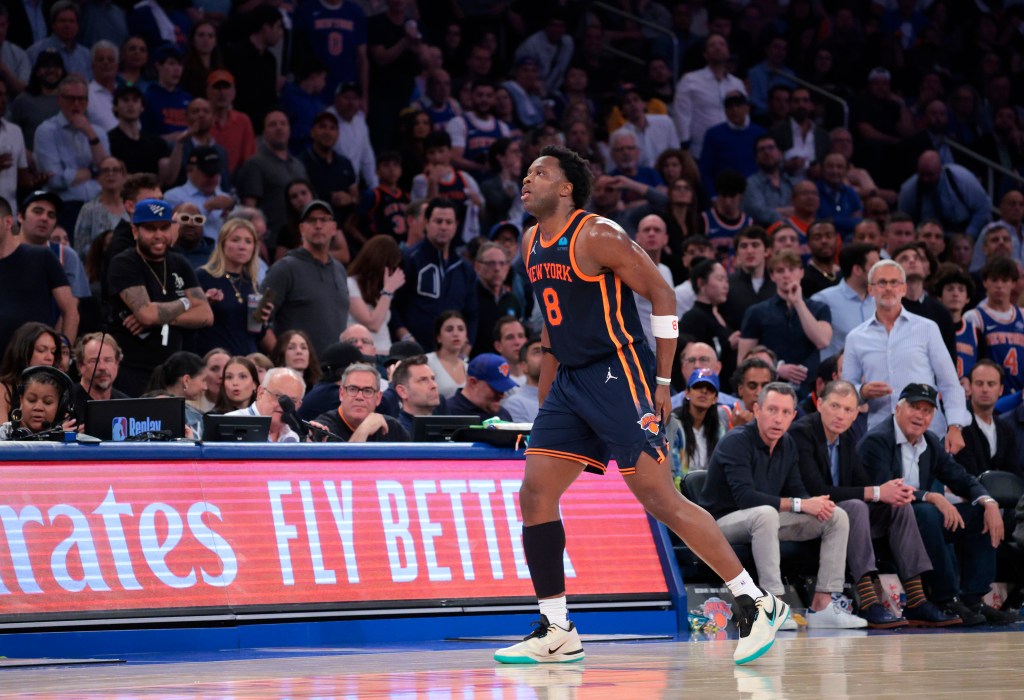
{"points": [[652, 236], [1011, 217], [948, 193]]}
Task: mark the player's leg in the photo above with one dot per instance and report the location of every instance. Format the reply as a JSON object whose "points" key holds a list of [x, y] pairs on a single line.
{"points": [[761, 614], [555, 640]]}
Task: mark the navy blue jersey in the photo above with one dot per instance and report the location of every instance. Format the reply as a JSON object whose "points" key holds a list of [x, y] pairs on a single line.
{"points": [[480, 139], [385, 210], [1005, 341], [588, 317], [721, 234], [967, 349]]}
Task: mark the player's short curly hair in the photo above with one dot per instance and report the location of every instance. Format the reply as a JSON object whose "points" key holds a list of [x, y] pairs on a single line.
{"points": [[576, 170]]}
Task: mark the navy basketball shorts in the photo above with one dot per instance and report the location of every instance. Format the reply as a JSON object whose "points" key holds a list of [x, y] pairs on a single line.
{"points": [[601, 411]]}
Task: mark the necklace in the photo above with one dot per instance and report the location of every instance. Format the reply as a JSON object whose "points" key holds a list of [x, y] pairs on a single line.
{"points": [[238, 294], [162, 283]]}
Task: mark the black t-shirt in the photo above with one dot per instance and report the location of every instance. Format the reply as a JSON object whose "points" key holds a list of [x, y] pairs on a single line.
{"points": [[28, 276], [129, 269], [334, 422], [141, 156], [398, 75]]}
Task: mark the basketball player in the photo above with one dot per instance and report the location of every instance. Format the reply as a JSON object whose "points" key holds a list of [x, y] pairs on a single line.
{"points": [[584, 269]]}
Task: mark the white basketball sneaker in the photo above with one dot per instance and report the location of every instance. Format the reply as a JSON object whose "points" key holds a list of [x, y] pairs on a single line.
{"points": [[548, 644], [759, 620]]}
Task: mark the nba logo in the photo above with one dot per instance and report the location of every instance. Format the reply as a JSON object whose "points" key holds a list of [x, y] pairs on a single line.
{"points": [[119, 429]]}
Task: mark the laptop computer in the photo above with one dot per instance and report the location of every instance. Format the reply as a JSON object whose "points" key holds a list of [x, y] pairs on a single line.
{"points": [[136, 419], [440, 428], [218, 428]]}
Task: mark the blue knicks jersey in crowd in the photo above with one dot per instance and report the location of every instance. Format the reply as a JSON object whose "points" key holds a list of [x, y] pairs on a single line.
{"points": [[1005, 343], [588, 317], [967, 349]]}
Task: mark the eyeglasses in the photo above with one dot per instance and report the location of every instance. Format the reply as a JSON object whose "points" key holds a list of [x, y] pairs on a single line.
{"points": [[191, 219], [353, 390], [888, 283], [278, 395], [704, 360]]}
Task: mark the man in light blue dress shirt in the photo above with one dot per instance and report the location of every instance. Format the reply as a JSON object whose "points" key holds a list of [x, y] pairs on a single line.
{"points": [[849, 301], [894, 348]]}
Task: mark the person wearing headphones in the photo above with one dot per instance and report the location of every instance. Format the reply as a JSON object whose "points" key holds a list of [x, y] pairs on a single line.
{"points": [[45, 402]]}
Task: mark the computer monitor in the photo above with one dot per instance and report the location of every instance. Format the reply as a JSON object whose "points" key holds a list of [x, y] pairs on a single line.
{"points": [[439, 428], [136, 419], [217, 428]]}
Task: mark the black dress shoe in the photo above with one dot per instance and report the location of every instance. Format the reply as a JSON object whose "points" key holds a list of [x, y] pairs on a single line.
{"points": [[994, 616], [969, 617], [926, 614]]}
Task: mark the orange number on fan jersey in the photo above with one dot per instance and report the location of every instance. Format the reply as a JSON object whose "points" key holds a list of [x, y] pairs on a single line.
{"points": [[1010, 362], [551, 307]]}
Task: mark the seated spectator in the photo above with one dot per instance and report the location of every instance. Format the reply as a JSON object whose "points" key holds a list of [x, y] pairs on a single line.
{"points": [[140, 151], [768, 73], [416, 306], [213, 371], [731, 145], [301, 100], [726, 218], [931, 234], [754, 492], [822, 271], [838, 200], [97, 357], [841, 141], [238, 385], [203, 189], [440, 179], [526, 89], [278, 383], [806, 204], [183, 374], [32, 344], [1011, 217], [988, 444], [44, 398], [830, 467], [262, 363], [524, 404], [653, 133], [39, 100], [501, 191], [795, 328], [487, 382], [697, 425], [203, 55], [294, 350], [848, 301], [64, 18], [416, 388], [704, 321], [448, 359], [165, 101], [748, 284], [104, 212], [949, 194], [437, 101], [228, 279], [197, 135], [800, 139], [769, 191], [638, 183], [324, 397], [191, 243], [903, 448], [356, 419]]}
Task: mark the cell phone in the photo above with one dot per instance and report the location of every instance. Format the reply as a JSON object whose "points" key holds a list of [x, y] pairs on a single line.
{"points": [[268, 298]]}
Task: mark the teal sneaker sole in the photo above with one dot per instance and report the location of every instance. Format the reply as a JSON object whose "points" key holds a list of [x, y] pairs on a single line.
{"points": [[763, 650], [525, 660]]}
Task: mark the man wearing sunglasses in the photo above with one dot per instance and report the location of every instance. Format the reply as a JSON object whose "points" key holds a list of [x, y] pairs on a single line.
{"points": [[356, 419], [203, 189], [191, 242]]}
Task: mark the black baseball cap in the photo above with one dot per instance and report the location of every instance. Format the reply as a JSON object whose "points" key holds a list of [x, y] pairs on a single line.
{"points": [[915, 392], [206, 159], [315, 205], [125, 90], [50, 197]]}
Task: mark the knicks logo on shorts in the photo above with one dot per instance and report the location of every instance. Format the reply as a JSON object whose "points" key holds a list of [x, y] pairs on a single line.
{"points": [[650, 423]]}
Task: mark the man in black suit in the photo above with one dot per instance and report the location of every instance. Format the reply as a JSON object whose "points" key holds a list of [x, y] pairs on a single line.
{"points": [[903, 448], [988, 443], [829, 465]]}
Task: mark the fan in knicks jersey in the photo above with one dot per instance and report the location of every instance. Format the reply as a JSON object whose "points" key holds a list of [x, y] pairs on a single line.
{"points": [[601, 398], [1000, 322]]}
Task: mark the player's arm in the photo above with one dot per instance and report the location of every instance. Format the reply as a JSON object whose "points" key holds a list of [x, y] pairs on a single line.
{"points": [[605, 246], [548, 367]]}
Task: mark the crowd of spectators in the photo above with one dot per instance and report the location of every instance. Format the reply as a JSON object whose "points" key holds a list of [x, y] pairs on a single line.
{"points": [[226, 200]]}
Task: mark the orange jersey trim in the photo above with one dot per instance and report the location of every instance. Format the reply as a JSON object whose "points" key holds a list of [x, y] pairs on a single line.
{"points": [[532, 233], [572, 253], [562, 232], [566, 455]]}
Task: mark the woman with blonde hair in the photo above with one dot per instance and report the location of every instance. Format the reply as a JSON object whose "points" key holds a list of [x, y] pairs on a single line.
{"points": [[229, 279], [373, 278]]}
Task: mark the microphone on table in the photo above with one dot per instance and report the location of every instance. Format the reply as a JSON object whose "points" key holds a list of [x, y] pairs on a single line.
{"points": [[303, 427]]}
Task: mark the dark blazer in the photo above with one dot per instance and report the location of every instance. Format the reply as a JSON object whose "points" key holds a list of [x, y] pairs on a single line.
{"points": [[1014, 420], [783, 133], [816, 468], [881, 456], [975, 456]]}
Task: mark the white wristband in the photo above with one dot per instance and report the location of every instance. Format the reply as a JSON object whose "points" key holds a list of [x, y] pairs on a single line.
{"points": [[662, 381], [665, 326], [876, 493], [796, 505]]}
